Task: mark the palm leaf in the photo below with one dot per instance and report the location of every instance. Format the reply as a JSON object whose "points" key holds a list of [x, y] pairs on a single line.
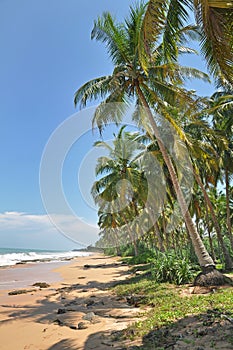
{"points": [[215, 19], [177, 15], [112, 109], [216, 24], [93, 89], [153, 22], [113, 35]]}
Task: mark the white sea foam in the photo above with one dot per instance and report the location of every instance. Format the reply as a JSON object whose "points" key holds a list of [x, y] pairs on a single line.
{"points": [[11, 259]]}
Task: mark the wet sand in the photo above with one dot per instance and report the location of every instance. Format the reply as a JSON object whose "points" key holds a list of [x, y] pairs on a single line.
{"points": [[22, 276], [77, 312]]}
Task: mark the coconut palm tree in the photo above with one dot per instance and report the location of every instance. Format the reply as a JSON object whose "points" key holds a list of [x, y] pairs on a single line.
{"points": [[199, 139], [118, 202], [221, 108], [156, 84], [204, 142], [215, 21]]}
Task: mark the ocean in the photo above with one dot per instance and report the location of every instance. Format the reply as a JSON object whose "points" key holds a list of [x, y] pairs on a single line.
{"points": [[12, 256]]}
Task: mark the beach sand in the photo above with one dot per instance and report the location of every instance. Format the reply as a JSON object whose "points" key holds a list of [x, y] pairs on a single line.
{"points": [[77, 312]]}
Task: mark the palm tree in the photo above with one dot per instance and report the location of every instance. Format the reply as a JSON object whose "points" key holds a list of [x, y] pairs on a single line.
{"points": [[157, 84], [221, 107], [118, 204], [203, 143], [215, 21], [227, 257]]}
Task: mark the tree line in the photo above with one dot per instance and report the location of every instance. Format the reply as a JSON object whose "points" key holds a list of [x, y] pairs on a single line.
{"points": [[148, 191]]}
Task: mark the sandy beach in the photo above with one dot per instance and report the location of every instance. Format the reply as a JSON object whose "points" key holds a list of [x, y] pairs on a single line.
{"points": [[77, 312]]}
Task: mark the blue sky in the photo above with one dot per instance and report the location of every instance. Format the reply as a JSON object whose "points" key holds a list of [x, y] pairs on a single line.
{"points": [[46, 54]]}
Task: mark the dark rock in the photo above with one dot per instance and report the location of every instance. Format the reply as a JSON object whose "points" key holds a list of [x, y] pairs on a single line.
{"points": [[73, 327], [20, 291], [90, 302], [61, 311], [59, 322], [107, 343], [82, 325], [135, 300], [41, 284], [201, 332], [86, 266], [89, 316]]}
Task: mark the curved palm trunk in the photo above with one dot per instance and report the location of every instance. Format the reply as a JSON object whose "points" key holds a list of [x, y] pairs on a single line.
{"points": [[229, 227], [203, 256], [227, 257]]}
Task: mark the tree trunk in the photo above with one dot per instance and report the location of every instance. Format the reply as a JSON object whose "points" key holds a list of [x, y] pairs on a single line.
{"points": [[132, 237], [165, 232], [229, 228], [203, 256], [159, 237], [118, 251], [210, 240], [226, 254]]}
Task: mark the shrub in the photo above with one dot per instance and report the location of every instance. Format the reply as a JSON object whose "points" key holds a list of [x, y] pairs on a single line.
{"points": [[168, 267], [142, 258]]}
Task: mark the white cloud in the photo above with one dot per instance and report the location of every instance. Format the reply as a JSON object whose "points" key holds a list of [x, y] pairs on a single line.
{"points": [[16, 220], [71, 226]]}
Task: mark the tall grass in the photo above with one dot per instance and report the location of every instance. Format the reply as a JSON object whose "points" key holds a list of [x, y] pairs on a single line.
{"points": [[168, 267]]}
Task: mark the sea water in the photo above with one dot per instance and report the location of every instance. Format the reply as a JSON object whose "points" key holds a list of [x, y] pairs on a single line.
{"points": [[12, 256]]}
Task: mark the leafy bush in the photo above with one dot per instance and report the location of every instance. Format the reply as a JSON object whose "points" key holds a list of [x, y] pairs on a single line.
{"points": [[168, 267], [142, 258], [110, 251], [127, 250]]}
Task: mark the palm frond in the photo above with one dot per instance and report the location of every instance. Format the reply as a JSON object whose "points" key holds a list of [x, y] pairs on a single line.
{"points": [[113, 35], [189, 32], [186, 50], [93, 89], [177, 16], [104, 165], [153, 22], [177, 74], [162, 92], [134, 25], [185, 73], [103, 144], [111, 110], [180, 132], [216, 26]]}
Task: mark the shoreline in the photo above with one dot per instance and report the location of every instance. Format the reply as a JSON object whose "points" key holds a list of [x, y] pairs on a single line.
{"points": [[13, 276], [16, 257], [77, 312], [24, 275]]}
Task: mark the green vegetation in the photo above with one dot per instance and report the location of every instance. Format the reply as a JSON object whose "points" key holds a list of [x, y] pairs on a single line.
{"points": [[214, 19], [174, 220], [174, 215], [170, 268], [168, 304]]}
